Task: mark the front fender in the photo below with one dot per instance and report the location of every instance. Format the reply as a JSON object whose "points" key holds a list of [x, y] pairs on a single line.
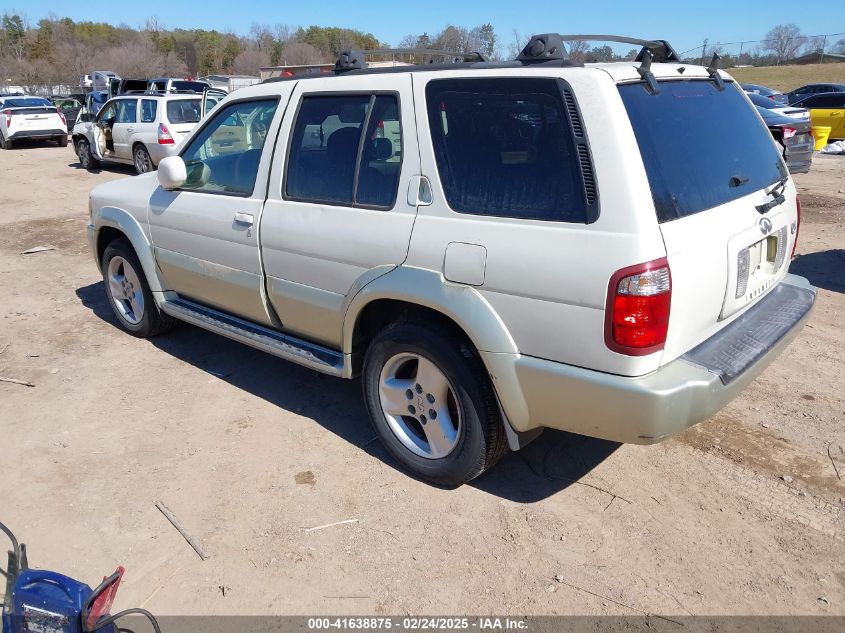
{"points": [[124, 222]]}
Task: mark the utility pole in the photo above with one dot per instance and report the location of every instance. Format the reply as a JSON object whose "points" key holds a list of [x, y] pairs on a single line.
{"points": [[824, 43], [703, 51]]}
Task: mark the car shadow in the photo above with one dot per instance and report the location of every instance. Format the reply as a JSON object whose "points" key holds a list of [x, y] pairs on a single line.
{"points": [[824, 269], [553, 462], [118, 168]]}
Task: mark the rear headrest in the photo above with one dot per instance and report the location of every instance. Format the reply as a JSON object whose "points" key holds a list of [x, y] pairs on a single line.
{"points": [[382, 148]]}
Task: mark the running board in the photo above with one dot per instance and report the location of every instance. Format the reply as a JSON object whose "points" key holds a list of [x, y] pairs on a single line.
{"points": [[290, 348]]}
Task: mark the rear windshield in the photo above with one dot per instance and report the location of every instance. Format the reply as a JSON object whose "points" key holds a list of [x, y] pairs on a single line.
{"points": [[702, 147], [183, 111], [26, 103]]}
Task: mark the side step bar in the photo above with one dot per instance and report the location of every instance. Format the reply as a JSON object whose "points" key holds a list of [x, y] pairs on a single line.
{"points": [[290, 348]]}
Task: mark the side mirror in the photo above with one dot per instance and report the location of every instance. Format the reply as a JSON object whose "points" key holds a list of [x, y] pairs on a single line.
{"points": [[172, 173]]}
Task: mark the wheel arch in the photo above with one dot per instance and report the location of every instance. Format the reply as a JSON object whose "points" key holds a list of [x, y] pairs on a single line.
{"points": [[114, 223], [420, 293]]}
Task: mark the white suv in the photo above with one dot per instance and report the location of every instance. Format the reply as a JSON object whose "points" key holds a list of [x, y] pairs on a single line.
{"points": [[139, 129], [494, 248]]}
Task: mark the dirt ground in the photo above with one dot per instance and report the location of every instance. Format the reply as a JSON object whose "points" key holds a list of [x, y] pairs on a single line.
{"points": [[248, 451]]}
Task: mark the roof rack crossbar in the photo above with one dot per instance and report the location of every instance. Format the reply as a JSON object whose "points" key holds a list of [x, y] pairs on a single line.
{"points": [[661, 50], [426, 52]]}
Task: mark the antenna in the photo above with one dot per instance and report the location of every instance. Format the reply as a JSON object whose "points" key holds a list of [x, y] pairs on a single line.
{"points": [[713, 70]]}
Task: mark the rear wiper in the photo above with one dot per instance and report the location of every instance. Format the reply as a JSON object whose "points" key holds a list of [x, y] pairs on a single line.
{"points": [[779, 198]]}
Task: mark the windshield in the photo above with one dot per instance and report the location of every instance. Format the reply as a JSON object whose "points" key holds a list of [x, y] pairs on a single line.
{"points": [[29, 102], [701, 147], [183, 111], [192, 86]]}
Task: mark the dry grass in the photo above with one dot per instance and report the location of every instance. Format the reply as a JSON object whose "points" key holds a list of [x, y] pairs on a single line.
{"points": [[786, 78]]}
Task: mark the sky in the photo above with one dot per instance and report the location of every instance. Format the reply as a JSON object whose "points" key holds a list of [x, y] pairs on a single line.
{"points": [[684, 24]]}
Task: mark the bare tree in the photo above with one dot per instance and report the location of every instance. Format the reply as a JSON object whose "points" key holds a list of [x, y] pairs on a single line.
{"points": [[578, 50], [301, 53], [813, 45], [784, 41], [249, 61], [839, 47]]}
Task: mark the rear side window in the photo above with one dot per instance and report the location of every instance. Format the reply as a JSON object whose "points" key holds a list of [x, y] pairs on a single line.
{"points": [[505, 147], [346, 149], [824, 101], [149, 107], [184, 111], [701, 147]]}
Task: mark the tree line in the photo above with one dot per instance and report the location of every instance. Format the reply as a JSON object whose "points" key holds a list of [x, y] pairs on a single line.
{"points": [[57, 51]]}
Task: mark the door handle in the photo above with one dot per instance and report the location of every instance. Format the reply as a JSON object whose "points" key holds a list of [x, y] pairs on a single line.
{"points": [[246, 219], [130, 129]]}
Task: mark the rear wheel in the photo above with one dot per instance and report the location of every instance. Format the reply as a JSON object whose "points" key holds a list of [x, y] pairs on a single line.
{"points": [[129, 293], [4, 144], [141, 158], [62, 140], [86, 158], [431, 403]]}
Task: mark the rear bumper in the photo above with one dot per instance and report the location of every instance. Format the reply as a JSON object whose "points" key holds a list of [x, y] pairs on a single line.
{"points": [[650, 408], [157, 152], [35, 134]]}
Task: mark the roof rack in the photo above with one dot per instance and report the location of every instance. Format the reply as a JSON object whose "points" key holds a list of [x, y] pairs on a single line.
{"points": [[354, 59], [661, 50]]}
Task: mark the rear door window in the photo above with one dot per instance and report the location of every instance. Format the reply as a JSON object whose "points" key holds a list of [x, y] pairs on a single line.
{"points": [[346, 149], [504, 147], [149, 107], [824, 101], [701, 147]]}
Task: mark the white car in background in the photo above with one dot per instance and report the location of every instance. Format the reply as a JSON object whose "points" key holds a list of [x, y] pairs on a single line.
{"points": [[137, 129], [30, 118]]}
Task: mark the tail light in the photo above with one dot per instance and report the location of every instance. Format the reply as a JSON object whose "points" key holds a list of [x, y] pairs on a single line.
{"points": [[788, 132], [61, 115], [797, 226], [637, 311], [164, 136], [8, 114]]}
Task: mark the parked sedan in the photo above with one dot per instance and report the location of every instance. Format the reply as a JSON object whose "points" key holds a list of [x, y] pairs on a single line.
{"points": [[827, 110], [813, 89], [794, 136], [788, 111], [775, 95], [30, 118]]}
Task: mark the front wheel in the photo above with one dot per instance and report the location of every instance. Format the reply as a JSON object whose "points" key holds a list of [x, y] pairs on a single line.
{"points": [[86, 158], [129, 293], [141, 158], [431, 403]]}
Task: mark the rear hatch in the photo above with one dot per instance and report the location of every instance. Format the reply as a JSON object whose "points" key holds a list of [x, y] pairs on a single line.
{"points": [[725, 205], [34, 118], [182, 116]]}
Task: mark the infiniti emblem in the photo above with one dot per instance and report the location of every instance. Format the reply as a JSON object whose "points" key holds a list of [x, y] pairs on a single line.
{"points": [[765, 226]]}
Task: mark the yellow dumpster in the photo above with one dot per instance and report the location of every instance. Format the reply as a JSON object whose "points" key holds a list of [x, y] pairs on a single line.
{"points": [[821, 133]]}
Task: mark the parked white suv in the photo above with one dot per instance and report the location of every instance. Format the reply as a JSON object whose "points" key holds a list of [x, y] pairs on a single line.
{"points": [[599, 249], [30, 118], [138, 129]]}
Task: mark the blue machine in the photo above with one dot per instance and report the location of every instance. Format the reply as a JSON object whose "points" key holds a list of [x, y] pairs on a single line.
{"points": [[40, 601]]}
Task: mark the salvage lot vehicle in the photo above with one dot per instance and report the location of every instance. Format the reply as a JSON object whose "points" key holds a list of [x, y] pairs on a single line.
{"points": [[769, 93], [70, 109], [779, 109], [30, 118], [538, 255], [813, 89], [794, 136], [138, 129], [827, 110]]}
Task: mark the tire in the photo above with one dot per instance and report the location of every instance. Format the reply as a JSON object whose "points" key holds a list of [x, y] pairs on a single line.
{"points": [[62, 140], [129, 293], [86, 158], [467, 430], [141, 159], [4, 144]]}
